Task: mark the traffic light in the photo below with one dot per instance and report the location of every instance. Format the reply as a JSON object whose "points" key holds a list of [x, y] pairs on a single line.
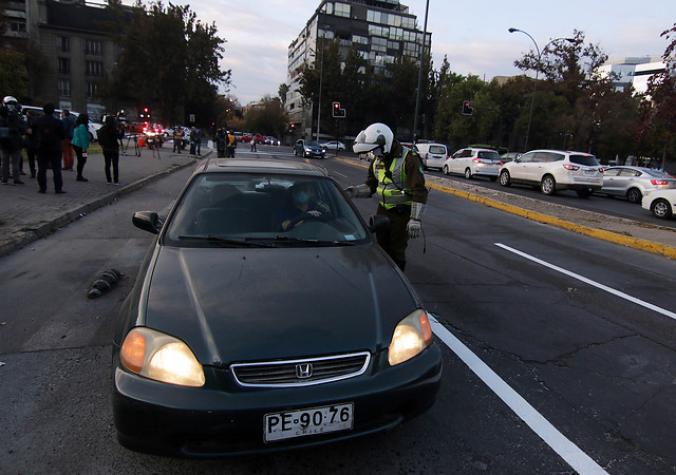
{"points": [[467, 108], [145, 113], [337, 111]]}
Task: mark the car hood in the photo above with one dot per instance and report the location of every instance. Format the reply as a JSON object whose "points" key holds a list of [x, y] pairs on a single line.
{"points": [[260, 304]]}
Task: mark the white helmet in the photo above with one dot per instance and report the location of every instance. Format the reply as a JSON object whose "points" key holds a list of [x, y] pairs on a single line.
{"points": [[374, 136], [9, 100]]}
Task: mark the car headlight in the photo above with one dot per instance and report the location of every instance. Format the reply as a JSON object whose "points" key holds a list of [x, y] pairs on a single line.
{"points": [[411, 336], [160, 357]]}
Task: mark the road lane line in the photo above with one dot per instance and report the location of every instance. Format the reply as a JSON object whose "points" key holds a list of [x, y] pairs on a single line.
{"points": [[338, 173], [567, 450], [610, 290]]}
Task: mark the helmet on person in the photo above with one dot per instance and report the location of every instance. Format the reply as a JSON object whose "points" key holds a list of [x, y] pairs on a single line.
{"points": [[11, 103], [375, 136]]}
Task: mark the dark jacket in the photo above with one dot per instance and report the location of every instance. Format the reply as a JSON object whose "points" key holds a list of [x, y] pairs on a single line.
{"points": [[68, 125], [50, 134], [108, 138], [13, 127]]}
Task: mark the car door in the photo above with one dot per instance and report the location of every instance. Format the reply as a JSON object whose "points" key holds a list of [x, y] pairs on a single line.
{"points": [[627, 178], [611, 180], [459, 162], [519, 170]]}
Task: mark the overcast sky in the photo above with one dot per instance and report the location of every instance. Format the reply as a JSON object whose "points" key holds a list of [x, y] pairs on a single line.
{"points": [[472, 33]]}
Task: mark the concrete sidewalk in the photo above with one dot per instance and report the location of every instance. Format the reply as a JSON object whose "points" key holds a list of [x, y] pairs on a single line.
{"points": [[638, 235], [26, 215]]}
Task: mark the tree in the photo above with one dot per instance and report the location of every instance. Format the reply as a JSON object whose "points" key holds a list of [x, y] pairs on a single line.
{"points": [[267, 117], [13, 73], [282, 92]]}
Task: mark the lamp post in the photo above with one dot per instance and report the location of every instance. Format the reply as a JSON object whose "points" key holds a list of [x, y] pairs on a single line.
{"points": [[321, 75], [537, 73], [420, 73]]}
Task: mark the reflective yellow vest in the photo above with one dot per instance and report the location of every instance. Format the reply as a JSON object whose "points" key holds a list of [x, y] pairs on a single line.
{"points": [[390, 191]]}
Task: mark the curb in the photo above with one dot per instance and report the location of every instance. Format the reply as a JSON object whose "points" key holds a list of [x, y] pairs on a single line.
{"points": [[78, 212], [609, 236]]}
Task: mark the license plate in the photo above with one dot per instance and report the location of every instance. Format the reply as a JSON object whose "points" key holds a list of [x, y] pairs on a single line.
{"points": [[310, 421]]}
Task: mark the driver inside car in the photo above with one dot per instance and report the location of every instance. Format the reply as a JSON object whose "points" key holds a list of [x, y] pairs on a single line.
{"points": [[305, 206]]}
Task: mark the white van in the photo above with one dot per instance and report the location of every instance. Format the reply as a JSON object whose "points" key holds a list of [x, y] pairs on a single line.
{"points": [[433, 155]]}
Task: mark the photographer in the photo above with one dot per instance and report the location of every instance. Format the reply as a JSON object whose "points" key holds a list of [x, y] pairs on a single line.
{"points": [[11, 131]]}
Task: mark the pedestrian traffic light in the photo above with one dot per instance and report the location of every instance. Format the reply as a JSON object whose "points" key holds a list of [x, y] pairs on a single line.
{"points": [[337, 111], [467, 108]]}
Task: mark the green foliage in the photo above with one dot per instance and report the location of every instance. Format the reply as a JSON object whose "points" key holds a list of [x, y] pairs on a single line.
{"points": [[283, 91], [268, 118], [13, 73], [169, 59]]}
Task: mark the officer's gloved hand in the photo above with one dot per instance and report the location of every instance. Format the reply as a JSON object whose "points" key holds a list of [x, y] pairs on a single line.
{"points": [[359, 191], [414, 228]]}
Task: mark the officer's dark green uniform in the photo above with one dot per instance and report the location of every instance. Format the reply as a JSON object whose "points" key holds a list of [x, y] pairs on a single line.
{"points": [[398, 180]]}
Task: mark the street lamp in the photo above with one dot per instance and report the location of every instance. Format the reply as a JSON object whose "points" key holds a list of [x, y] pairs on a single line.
{"points": [[420, 73], [537, 73]]}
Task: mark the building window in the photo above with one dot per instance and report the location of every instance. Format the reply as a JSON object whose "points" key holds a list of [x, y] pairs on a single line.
{"points": [[328, 8], [378, 30], [17, 25], [94, 68], [64, 87], [64, 65], [379, 44], [64, 44], [94, 47], [362, 40], [92, 89], [408, 22], [342, 9]]}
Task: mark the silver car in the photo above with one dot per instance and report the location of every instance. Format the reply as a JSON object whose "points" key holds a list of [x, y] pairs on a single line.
{"points": [[635, 182]]}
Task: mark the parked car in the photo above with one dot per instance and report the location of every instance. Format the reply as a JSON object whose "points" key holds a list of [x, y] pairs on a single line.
{"points": [[662, 203], [509, 156], [473, 162], [635, 182], [92, 127], [270, 140], [333, 145], [554, 170], [309, 149], [433, 155], [230, 341]]}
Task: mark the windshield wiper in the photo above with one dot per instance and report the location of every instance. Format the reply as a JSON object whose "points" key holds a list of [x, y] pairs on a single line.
{"points": [[225, 241], [302, 242]]}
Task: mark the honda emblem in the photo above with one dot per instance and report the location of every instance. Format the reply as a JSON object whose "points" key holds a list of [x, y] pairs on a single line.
{"points": [[303, 370]]}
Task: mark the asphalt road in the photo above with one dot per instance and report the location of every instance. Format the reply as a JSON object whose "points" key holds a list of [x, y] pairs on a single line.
{"points": [[601, 369]]}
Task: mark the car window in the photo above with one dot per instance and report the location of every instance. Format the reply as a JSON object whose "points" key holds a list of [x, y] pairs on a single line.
{"points": [[630, 172], [438, 149], [458, 154], [612, 172], [550, 157], [658, 174], [252, 206], [527, 157], [587, 160], [489, 155]]}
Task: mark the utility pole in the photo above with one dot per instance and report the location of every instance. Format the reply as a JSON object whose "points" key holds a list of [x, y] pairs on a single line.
{"points": [[420, 74], [321, 74]]}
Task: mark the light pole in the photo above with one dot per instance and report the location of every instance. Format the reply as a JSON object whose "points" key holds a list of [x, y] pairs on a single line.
{"points": [[321, 75], [537, 73], [420, 73]]}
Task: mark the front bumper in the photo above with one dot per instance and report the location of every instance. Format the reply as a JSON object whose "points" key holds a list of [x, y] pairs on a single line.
{"points": [[228, 420], [313, 154]]}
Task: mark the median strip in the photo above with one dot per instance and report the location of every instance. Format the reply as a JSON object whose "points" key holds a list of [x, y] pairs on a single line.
{"points": [[614, 237]]}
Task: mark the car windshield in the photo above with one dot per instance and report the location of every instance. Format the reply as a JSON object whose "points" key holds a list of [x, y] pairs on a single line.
{"points": [[263, 210], [437, 149], [587, 160], [489, 155]]}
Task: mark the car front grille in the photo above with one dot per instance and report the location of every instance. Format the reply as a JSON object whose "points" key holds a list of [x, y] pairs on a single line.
{"points": [[301, 372]]}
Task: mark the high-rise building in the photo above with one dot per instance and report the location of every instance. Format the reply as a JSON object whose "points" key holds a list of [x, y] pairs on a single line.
{"points": [[621, 70], [381, 30]]}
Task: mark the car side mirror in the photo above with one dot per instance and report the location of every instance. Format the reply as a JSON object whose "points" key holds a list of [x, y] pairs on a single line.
{"points": [[148, 221], [378, 222]]}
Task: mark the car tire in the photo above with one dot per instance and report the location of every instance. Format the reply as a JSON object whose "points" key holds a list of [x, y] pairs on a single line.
{"points": [[583, 193], [548, 185], [445, 170], [634, 195], [505, 179], [661, 208], [468, 174]]}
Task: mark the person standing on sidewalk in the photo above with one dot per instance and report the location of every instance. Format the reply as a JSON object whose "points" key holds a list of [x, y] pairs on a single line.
{"points": [[178, 139], [50, 137], [11, 130], [80, 143], [108, 136], [68, 121], [31, 142]]}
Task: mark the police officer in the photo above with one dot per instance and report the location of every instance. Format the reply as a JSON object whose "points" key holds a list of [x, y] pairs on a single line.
{"points": [[11, 131], [396, 176]]}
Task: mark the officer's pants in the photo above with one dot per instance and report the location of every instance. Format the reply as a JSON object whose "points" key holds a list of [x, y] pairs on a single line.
{"points": [[394, 239], [10, 159]]}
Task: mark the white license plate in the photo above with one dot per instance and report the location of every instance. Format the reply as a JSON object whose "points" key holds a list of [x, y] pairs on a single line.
{"points": [[309, 421]]}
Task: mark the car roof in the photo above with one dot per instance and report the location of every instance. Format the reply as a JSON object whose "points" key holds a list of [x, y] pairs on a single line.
{"points": [[570, 152], [254, 165]]}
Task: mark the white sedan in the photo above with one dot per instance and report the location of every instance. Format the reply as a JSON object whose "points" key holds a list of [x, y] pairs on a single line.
{"points": [[333, 145], [661, 203]]}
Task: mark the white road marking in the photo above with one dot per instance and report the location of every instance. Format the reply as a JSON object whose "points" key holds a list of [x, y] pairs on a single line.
{"points": [[567, 450], [339, 174], [610, 290]]}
